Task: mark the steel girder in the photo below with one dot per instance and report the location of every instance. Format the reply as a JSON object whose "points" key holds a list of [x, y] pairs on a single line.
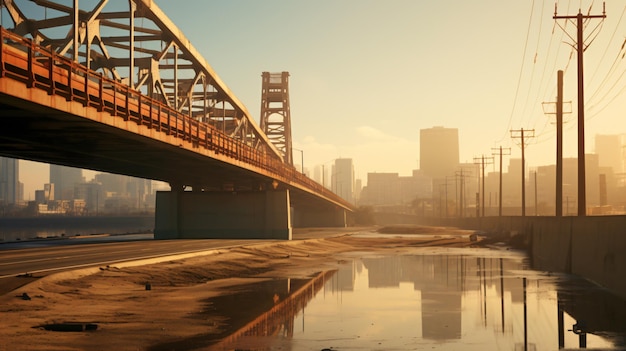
{"points": [[275, 112], [135, 43]]}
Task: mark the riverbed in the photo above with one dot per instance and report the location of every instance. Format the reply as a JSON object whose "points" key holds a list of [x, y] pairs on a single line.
{"points": [[441, 290]]}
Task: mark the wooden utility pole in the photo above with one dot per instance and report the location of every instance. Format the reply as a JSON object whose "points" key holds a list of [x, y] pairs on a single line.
{"points": [[461, 191], [508, 150], [559, 145], [446, 183], [536, 212], [559, 111], [580, 48], [481, 161], [519, 134]]}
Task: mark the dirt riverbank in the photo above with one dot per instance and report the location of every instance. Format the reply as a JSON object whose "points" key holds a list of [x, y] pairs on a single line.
{"points": [[143, 307]]}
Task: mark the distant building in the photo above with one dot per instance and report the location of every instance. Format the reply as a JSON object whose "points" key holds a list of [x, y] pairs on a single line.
{"points": [[343, 179], [317, 174], [439, 151], [358, 188], [383, 189], [391, 191], [545, 187], [64, 179], [10, 187], [120, 193], [46, 195], [609, 151], [92, 195]]}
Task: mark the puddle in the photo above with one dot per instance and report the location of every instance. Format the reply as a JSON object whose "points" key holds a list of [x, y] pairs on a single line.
{"points": [[437, 300]]}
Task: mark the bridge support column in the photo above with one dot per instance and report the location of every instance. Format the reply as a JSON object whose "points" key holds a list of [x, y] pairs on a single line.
{"points": [[205, 215], [304, 217]]}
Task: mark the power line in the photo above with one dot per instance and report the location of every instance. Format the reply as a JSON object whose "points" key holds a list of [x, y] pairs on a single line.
{"points": [[580, 48], [604, 55], [532, 74], [519, 79], [609, 74]]}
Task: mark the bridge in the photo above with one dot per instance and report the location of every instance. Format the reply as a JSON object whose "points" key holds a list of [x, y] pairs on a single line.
{"points": [[89, 88]]}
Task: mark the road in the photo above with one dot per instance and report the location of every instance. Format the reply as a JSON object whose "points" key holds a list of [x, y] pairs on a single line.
{"points": [[23, 262]]}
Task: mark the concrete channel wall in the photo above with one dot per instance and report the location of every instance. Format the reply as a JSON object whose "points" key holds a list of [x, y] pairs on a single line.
{"points": [[593, 247]]}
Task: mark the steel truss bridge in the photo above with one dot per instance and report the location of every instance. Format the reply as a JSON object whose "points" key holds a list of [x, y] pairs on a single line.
{"points": [[83, 85]]}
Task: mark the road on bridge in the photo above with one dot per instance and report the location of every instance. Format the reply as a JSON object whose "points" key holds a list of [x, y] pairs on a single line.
{"points": [[21, 263]]}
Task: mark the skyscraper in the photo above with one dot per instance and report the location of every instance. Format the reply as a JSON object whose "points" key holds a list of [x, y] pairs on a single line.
{"points": [[439, 151], [64, 178], [343, 179], [9, 181]]}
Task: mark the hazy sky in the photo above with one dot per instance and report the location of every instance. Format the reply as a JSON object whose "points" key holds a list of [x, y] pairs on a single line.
{"points": [[367, 75]]}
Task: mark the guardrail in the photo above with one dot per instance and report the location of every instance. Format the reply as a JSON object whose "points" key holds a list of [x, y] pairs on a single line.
{"points": [[41, 68]]}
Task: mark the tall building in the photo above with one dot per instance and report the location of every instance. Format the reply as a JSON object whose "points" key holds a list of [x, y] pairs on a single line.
{"points": [[120, 191], [609, 151], [64, 179], [439, 151], [10, 189], [343, 179], [322, 175], [92, 195], [317, 173]]}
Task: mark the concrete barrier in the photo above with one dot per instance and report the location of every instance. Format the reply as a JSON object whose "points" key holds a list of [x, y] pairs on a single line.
{"points": [[593, 247]]}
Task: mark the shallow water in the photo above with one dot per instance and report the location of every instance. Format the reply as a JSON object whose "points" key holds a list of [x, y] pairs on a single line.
{"points": [[434, 299]]}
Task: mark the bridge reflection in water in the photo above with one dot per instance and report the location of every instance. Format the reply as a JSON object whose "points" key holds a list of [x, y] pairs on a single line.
{"points": [[442, 299]]}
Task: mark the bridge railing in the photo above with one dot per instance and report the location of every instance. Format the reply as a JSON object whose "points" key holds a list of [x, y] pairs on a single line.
{"points": [[41, 68]]}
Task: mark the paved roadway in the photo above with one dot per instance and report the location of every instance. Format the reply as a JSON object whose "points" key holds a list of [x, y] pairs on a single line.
{"points": [[22, 262]]}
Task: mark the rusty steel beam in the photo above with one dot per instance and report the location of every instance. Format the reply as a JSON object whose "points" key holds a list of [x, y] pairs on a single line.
{"points": [[275, 112], [64, 113], [154, 57]]}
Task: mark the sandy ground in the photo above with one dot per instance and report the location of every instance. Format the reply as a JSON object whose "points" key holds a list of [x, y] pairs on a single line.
{"points": [[130, 317]]}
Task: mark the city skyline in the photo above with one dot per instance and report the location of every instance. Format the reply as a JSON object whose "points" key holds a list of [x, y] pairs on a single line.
{"points": [[510, 165], [381, 84]]}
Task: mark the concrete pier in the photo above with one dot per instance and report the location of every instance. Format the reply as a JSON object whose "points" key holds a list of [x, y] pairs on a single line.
{"points": [[329, 216], [207, 215]]}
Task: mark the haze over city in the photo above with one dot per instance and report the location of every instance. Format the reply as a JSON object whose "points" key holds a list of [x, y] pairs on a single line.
{"points": [[329, 175], [366, 76]]}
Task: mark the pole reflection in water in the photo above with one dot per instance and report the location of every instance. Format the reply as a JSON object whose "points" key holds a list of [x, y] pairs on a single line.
{"points": [[442, 299]]}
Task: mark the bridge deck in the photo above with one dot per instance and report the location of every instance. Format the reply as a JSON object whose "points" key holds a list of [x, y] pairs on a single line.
{"points": [[55, 110]]}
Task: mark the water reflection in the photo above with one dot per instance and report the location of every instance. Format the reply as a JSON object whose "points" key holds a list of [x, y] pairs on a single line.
{"points": [[445, 301]]}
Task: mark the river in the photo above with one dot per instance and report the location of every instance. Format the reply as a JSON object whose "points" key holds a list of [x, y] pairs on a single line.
{"points": [[432, 299]]}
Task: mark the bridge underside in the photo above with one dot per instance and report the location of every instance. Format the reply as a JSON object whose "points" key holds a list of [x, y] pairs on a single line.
{"points": [[40, 133], [37, 133], [54, 110]]}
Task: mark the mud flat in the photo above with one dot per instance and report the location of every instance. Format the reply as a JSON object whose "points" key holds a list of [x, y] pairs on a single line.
{"points": [[148, 307]]}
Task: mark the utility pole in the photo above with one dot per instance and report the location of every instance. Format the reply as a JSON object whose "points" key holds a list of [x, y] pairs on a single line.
{"points": [[536, 212], [461, 191], [519, 134], [446, 196], [501, 153], [559, 143], [580, 48], [481, 161]]}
